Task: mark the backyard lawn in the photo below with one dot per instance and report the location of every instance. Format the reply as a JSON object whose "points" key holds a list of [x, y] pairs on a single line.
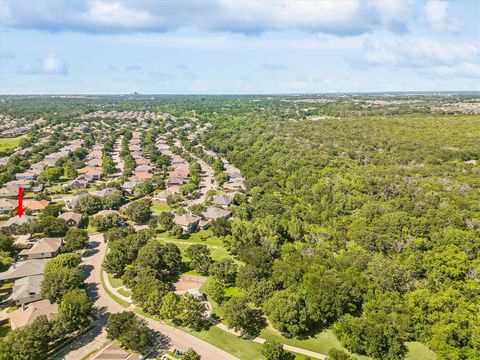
{"points": [[157, 209], [10, 143]]}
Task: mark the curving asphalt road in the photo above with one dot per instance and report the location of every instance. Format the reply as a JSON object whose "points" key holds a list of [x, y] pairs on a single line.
{"points": [[104, 304]]}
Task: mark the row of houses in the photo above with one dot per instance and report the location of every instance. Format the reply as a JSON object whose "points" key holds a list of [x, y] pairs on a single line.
{"points": [[27, 275], [140, 116], [11, 127], [91, 172], [144, 169], [179, 175], [26, 179], [34, 206]]}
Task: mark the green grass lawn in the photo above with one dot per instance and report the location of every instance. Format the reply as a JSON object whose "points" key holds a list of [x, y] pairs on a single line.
{"points": [[204, 237], [4, 330], [218, 253], [418, 351], [112, 295], [157, 209], [126, 293], [10, 143], [115, 282], [243, 349], [321, 343], [53, 189]]}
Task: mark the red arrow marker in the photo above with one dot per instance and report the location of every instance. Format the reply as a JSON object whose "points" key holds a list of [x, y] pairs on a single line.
{"points": [[20, 202]]}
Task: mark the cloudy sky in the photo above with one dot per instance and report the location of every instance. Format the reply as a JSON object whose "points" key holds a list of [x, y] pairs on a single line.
{"points": [[238, 46]]}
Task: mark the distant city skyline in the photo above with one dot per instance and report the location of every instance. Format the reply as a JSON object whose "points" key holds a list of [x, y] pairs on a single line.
{"points": [[238, 47]]}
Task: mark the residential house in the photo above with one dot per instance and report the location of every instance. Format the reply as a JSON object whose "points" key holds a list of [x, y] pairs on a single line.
{"points": [[15, 184], [26, 290], [95, 162], [28, 175], [22, 269], [44, 248], [70, 202], [175, 181], [23, 241], [8, 192], [106, 192], [7, 205], [13, 223], [72, 219], [28, 313], [87, 169], [38, 166], [143, 168], [214, 213], [94, 174], [78, 183], [142, 161], [142, 176], [129, 186], [223, 200], [233, 186], [36, 206], [188, 223], [163, 196]]}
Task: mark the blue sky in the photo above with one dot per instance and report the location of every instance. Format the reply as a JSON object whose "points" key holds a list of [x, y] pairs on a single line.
{"points": [[228, 46]]}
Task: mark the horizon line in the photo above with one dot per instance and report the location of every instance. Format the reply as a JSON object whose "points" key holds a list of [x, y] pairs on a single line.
{"points": [[415, 92]]}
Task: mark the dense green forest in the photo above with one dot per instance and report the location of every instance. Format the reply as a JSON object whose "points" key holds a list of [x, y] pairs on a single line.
{"points": [[373, 224], [360, 219]]}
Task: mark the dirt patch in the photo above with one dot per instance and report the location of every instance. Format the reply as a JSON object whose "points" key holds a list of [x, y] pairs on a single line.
{"points": [[188, 282]]}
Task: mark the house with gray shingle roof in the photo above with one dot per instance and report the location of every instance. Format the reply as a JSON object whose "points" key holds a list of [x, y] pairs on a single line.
{"points": [[44, 248], [26, 290], [24, 268], [13, 223], [222, 200], [214, 213]]}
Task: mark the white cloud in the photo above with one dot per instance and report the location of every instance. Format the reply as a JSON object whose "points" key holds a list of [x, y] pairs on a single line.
{"points": [[436, 15], [116, 14], [257, 16], [344, 17], [49, 65], [459, 59]]}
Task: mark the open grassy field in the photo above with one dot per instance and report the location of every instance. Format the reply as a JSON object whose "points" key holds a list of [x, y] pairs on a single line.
{"points": [[202, 237], [10, 143]]}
